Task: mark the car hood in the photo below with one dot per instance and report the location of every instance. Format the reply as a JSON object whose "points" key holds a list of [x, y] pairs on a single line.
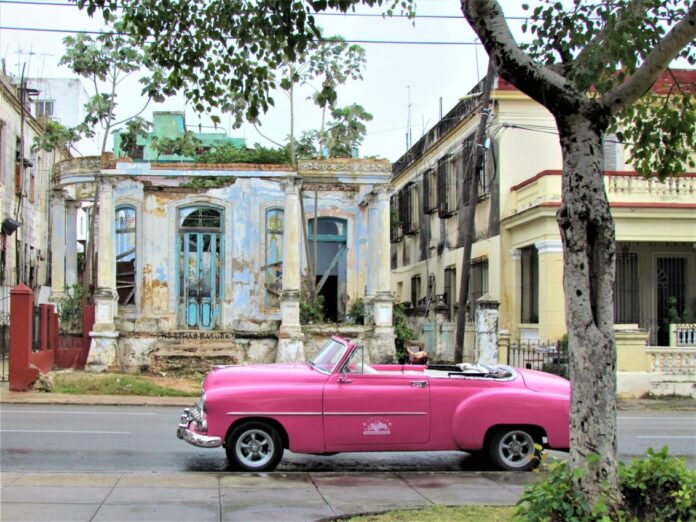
{"points": [[260, 374], [545, 382]]}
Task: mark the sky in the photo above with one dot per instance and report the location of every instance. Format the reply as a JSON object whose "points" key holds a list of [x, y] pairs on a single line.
{"points": [[402, 82]]}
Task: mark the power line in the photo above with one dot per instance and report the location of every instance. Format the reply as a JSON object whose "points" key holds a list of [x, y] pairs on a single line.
{"points": [[112, 33], [345, 15]]}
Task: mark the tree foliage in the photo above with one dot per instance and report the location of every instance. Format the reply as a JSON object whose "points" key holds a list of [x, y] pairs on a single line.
{"points": [[231, 154], [135, 128], [599, 45], [105, 61], [224, 56], [186, 145], [55, 136]]}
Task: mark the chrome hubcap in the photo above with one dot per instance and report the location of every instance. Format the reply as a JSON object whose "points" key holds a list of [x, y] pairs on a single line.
{"points": [[254, 448], [517, 448]]}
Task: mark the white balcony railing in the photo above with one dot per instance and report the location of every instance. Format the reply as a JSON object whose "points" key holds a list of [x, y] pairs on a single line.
{"points": [[672, 360], [632, 184]]}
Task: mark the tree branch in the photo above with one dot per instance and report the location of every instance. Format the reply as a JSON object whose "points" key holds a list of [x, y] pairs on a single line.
{"points": [[543, 84], [134, 115], [632, 9], [681, 35]]}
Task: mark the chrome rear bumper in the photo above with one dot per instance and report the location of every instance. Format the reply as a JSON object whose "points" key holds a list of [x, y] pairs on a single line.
{"points": [[195, 437]]}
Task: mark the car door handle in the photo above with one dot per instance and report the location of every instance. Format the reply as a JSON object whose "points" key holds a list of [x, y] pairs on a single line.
{"points": [[419, 384]]}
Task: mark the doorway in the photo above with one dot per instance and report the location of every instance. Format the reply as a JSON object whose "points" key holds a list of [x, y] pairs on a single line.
{"points": [[671, 287], [200, 261], [331, 264]]}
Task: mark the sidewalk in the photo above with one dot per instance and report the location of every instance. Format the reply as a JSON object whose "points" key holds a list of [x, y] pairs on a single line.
{"points": [[243, 496]]}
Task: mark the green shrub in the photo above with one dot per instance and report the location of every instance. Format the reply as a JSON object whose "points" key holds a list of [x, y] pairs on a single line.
{"points": [[312, 310], [657, 488], [357, 312], [70, 308], [402, 331], [554, 498]]}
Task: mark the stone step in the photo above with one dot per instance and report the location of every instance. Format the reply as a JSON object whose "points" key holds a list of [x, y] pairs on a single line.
{"points": [[184, 358]]}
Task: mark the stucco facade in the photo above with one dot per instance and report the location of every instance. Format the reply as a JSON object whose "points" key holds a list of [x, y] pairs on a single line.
{"points": [[216, 275], [517, 257], [24, 194]]}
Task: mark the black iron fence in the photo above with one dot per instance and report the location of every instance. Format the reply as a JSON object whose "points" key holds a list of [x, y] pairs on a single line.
{"points": [[4, 346], [546, 357]]}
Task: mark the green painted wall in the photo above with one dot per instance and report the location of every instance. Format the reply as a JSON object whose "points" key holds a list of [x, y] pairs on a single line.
{"points": [[172, 125]]}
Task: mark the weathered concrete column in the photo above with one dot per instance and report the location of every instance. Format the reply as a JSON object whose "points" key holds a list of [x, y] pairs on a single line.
{"points": [[102, 354], [57, 245], [71, 207], [383, 349], [373, 253], [487, 330], [290, 336]]}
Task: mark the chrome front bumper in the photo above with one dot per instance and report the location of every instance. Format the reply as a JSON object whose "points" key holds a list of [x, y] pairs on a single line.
{"points": [[196, 436]]}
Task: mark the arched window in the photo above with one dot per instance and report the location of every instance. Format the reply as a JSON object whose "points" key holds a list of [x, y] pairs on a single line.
{"points": [[125, 255], [273, 269]]}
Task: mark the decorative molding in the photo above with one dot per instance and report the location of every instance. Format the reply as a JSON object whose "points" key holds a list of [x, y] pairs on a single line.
{"points": [[549, 246], [346, 170], [515, 254]]}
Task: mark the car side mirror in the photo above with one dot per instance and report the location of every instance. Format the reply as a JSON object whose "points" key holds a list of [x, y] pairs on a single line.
{"points": [[343, 379]]}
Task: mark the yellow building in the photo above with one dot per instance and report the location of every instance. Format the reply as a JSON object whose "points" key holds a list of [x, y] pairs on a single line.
{"points": [[517, 257]]}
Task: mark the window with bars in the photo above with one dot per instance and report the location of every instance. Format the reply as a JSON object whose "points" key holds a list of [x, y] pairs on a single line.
{"points": [[125, 255], [447, 186], [626, 288], [410, 208], [273, 269], [430, 191], [530, 285], [450, 290], [415, 290], [395, 218], [478, 284]]}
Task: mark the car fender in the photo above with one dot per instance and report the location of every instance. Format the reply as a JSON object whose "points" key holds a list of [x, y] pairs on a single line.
{"points": [[477, 414], [298, 412]]}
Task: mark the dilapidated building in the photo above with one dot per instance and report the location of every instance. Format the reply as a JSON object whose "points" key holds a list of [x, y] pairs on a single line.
{"points": [[207, 262]]}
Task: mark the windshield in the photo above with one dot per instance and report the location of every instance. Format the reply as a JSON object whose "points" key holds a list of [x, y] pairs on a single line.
{"points": [[329, 356]]}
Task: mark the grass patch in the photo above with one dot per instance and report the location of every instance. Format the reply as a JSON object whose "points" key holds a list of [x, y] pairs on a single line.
{"points": [[444, 513], [121, 384]]}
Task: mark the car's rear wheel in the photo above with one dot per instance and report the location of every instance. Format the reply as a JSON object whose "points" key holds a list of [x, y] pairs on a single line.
{"points": [[254, 446], [515, 449]]}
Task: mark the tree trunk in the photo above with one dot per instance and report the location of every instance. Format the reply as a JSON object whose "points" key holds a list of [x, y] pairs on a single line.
{"points": [[587, 231]]}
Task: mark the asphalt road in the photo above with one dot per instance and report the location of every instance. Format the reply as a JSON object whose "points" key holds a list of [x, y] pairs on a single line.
{"points": [[129, 439]]}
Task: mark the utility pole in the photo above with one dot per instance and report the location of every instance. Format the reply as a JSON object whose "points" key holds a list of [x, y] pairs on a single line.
{"points": [[459, 353], [408, 119]]}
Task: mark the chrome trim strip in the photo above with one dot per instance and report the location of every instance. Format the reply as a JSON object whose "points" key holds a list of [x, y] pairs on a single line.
{"points": [[275, 413], [373, 413], [328, 413]]}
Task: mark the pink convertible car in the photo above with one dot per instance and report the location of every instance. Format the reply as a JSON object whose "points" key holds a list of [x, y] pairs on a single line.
{"points": [[338, 403]]}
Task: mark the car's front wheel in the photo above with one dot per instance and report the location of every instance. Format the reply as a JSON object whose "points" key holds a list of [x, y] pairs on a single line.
{"points": [[515, 449], [254, 446]]}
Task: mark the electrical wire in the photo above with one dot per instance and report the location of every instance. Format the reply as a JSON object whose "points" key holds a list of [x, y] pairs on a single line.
{"points": [[354, 41], [343, 15]]}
